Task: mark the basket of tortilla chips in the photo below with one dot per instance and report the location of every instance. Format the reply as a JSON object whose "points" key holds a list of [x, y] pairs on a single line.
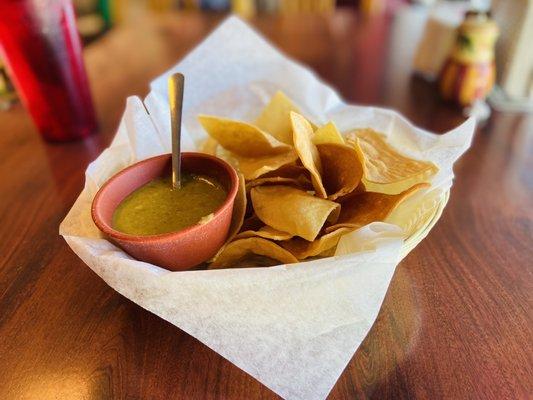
{"points": [[304, 186], [333, 194]]}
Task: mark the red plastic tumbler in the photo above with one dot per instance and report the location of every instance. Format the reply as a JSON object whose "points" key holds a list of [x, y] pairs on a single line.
{"points": [[42, 50]]}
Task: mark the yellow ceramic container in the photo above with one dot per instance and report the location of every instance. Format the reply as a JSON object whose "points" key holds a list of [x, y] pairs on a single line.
{"points": [[469, 72]]}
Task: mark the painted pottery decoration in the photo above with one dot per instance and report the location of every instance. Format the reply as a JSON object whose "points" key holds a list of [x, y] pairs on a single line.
{"points": [[469, 72]]}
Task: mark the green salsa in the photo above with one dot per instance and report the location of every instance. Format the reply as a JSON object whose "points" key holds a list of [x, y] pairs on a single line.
{"points": [[157, 208]]}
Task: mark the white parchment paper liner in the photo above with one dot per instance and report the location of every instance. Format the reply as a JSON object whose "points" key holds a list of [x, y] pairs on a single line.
{"points": [[294, 328]]}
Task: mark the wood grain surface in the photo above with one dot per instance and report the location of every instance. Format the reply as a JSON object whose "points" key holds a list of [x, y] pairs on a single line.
{"points": [[456, 322]]}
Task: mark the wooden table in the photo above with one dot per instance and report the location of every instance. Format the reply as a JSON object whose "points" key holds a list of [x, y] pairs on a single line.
{"points": [[456, 322]]}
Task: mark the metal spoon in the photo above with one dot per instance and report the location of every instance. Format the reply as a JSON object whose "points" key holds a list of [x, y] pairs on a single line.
{"points": [[175, 99]]}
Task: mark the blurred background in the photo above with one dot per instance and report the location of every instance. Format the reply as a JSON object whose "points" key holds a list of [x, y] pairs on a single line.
{"points": [[456, 308], [139, 39]]}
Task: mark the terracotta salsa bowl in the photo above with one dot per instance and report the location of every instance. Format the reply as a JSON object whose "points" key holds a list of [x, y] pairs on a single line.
{"points": [[179, 250]]}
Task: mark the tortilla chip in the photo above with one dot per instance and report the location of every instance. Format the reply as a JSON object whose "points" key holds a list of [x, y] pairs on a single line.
{"points": [[307, 151], [290, 174], [266, 232], [328, 253], [237, 217], [242, 139], [276, 180], [361, 209], [288, 171], [342, 169], [254, 167], [239, 210], [255, 261], [241, 248], [209, 146], [275, 118], [328, 134], [252, 223], [294, 211], [415, 212], [386, 170], [303, 249]]}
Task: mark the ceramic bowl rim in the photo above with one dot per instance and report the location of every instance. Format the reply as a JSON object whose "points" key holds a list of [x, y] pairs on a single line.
{"points": [[113, 233]]}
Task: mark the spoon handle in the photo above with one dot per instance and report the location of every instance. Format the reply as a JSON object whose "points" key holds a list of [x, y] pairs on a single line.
{"points": [[175, 98]]}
